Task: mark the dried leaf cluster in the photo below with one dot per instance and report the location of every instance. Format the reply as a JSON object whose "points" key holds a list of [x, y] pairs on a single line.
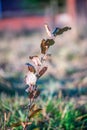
{"points": [[35, 70]]}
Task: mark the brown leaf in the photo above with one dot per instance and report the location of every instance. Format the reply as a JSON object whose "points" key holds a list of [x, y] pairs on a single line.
{"points": [[59, 31], [31, 68], [42, 71], [34, 113], [45, 44], [20, 123], [49, 42], [44, 47]]}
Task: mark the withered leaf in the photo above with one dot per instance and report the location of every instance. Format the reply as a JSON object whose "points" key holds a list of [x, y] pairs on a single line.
{"points": [[31, 68], [34, 113], [50, 42], [59, 31], [20, 123], [42, 71], [44, 47]]}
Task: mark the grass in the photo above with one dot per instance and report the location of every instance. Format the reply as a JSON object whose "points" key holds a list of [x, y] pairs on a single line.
{"points": [[57, 114]]}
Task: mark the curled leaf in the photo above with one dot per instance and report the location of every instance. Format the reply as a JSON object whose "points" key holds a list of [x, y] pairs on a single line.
{"points": [[42, 71], [44, 47], [35, 112], [31, 68], [59, 31], [45, 44], [49, 42]]}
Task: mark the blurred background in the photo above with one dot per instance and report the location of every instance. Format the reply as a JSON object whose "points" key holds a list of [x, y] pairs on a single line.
{"points": [[21, 31]]}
